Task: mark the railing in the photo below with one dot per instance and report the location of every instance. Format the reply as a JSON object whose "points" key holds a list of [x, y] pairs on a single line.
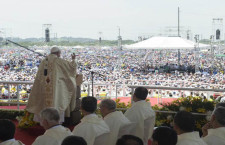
{"points": [[113, 90], [17, 84], [174, 88]]}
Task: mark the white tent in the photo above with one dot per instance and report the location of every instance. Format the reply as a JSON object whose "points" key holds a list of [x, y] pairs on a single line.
{"points": [[165, 43]]}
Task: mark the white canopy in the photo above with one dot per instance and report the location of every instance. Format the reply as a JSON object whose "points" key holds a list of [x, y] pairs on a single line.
{"points": [[165, 43]]}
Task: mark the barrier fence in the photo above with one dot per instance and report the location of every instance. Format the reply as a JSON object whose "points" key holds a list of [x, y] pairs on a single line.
{"points": [[114, 91]]}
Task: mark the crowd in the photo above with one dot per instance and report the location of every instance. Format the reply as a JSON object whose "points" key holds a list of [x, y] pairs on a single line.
{"points": [[126, 67], [134, 127]]}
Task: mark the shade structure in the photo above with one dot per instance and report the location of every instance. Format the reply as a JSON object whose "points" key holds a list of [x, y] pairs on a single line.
{"points": [[165, 43]]}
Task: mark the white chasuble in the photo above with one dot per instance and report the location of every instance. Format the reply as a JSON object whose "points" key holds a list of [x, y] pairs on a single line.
{"points": [[54, 86]]}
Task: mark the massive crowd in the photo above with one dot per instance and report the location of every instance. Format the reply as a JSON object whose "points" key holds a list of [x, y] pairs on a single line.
{"points": [[126, 67]]}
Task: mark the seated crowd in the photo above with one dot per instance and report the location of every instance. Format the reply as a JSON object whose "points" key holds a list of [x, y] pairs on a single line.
{"points": [[134, 127]]}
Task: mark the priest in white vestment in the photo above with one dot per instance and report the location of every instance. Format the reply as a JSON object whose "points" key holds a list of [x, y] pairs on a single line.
{"points": [[7, 132], [118, 124], [54, 132], [216, 134], [92, 128], [184, 123], [142, 115], [54, 86]]}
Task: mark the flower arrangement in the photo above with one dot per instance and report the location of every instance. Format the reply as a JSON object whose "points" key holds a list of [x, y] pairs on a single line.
{"points": [[190, 104], [26, 121]]}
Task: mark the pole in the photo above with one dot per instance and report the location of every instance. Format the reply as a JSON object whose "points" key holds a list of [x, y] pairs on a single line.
{"points": [[92, 83], [178, 22], [178, 35], [197, 53], [23, 47]]}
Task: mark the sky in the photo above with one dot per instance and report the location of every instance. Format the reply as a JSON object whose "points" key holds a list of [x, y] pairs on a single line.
{"points": [[86, 18]]}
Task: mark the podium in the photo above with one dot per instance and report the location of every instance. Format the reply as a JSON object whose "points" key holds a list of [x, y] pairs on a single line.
{"points": [[75, 116]]}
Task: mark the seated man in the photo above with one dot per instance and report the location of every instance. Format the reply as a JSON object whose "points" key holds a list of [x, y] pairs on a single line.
{"points": [[7, 131], [74, 140], [222, 104], [184, 124], [164, 136], [142, 115], [119, 125], [129, 140], [216, 134], [93, 129], [55, 133]]}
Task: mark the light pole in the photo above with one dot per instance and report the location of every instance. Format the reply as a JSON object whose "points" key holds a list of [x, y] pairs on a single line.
{"points": [[178, 35], [212, 50], [196, 53]]}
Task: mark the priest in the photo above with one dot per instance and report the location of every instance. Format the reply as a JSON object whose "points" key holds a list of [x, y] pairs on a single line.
{"points": [[54, 86]]}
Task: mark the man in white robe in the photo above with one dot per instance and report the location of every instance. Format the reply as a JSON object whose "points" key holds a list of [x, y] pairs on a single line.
{"points": [[119, 125], [54, 132], [216, 134], [54, 86], [7, 132], [184, 124], [142, 115], [92, 128]]}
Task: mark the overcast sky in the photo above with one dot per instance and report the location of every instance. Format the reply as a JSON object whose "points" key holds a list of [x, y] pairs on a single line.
{"points": [[86, 18]]}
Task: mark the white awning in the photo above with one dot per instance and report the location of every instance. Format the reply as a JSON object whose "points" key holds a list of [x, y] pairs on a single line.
{"points": [[165, 43]]}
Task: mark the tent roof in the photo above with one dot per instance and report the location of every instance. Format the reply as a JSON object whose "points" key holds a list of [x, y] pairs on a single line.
{"points": [[165, 43]]}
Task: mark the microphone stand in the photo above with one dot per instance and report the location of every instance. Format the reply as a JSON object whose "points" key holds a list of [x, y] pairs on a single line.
{"points": [[92, 81]]}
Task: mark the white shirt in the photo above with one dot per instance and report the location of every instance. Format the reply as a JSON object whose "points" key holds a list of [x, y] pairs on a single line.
{"points": [[118, 124], [53, 136], [190, 138], [143, 116], [215, 136], [90, 128], [12, 142]]}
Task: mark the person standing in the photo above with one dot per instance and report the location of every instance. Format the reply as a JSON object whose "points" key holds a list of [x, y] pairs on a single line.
{"points": [[142, 115], [54, 86]]}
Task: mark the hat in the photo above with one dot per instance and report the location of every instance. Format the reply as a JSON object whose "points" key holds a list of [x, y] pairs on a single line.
{"points": [[55, 49]]}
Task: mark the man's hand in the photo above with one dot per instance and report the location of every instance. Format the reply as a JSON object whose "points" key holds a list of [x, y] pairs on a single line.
{"points": [[205, 129], [73, 56]]}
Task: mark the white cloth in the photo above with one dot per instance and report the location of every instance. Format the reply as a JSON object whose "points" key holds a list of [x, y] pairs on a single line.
{"points": [[143, 116], [90, 128], [116, 121], [12, 142], [53, 136], [56, 88], [190, 138], [215, 136]]}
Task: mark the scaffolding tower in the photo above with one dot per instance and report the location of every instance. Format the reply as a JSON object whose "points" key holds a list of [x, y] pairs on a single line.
{"points": [[46, 32]]}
